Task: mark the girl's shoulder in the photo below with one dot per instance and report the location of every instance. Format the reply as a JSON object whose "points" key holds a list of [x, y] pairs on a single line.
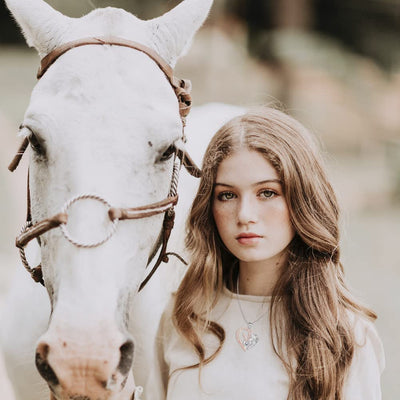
{"points": [[368, 343], [364, 377]]}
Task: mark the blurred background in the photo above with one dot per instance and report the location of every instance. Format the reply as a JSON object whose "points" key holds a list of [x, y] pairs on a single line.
{"points": [[333, 64]]}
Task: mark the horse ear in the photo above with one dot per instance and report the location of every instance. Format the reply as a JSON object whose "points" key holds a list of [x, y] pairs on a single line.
{"points": [[41, 25], [173, 32]]}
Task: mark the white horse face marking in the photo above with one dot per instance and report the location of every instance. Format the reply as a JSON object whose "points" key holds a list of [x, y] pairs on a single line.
{"points": [[103, 116]]}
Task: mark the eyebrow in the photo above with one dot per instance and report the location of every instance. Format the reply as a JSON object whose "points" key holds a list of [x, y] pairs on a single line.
{"points": [[254, 184]]}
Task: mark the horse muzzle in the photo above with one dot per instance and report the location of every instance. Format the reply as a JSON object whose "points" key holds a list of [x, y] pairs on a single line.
{"points": [[87, 369]]}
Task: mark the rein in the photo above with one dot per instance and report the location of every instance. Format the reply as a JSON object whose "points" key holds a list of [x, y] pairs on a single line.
{"points": [[31, 231]]}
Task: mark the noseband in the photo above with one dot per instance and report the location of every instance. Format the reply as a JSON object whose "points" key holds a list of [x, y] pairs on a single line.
{"points": [[31, 231]]}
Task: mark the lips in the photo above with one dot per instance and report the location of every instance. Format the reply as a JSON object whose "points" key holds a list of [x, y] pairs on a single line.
{"points": [[248, 238]]}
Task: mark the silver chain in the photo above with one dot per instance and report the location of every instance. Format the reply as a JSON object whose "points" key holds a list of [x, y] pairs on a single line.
{"points": [[249, 323]]}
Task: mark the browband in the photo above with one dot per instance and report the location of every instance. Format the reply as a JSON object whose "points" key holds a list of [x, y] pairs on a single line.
{"points": [[181, 87]]}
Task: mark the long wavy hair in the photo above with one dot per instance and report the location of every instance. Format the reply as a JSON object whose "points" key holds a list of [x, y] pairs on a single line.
{"points": [[311, 329]]}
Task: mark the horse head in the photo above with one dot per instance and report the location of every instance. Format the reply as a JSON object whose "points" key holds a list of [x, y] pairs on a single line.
{"points": [[102, 123]]}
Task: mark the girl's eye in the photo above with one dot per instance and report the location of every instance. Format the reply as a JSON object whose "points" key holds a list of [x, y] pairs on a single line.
{"points": [[225, 196], [267, 194]]}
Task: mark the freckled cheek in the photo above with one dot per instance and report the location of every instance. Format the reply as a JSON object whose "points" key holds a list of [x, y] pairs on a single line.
{"points": [[279, 215], [222, 217]]}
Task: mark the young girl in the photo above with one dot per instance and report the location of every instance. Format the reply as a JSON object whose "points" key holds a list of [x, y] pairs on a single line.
{"points": [[263, 312]]}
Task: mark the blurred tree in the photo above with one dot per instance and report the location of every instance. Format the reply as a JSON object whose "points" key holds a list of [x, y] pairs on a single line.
{"points": [[8, 29], [262, 16], [369, 27], [292, 14]]}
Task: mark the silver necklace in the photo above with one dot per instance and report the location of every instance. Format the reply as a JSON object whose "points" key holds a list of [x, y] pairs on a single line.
{"points": [[245, 335]]}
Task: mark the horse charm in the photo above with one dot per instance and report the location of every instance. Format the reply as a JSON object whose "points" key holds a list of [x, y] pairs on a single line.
{"points": [[246, 338]]}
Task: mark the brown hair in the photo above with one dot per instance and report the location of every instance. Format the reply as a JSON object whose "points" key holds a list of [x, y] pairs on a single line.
{"points": [[310, 326]]}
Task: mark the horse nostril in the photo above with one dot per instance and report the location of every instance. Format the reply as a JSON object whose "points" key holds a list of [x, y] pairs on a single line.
{"points": [[43, 365], [125, 362]]}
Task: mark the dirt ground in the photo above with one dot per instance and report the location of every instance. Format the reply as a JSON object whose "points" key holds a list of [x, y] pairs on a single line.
{"points": [[364, 182]]}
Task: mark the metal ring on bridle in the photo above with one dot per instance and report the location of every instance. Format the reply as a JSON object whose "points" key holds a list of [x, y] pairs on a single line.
{"points": [[65, 232]]}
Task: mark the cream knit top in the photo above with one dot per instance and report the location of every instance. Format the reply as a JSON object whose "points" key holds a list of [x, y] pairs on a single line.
{"points": [[253, 374]]}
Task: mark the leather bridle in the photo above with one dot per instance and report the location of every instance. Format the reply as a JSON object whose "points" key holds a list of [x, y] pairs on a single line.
{"points": [[31, 231]]}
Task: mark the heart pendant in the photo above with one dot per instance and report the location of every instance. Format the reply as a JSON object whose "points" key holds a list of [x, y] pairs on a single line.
{"points": [[246, 338]]}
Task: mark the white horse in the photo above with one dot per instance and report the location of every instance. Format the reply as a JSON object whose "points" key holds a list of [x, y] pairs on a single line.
{"points": [[101, 120]]}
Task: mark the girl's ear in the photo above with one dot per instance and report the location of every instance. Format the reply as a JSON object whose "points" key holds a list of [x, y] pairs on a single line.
{"points": [[173, 32], [41, 25]]}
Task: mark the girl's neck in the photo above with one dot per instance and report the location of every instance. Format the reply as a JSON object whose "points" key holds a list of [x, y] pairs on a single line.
{"points": [[259, 279]]}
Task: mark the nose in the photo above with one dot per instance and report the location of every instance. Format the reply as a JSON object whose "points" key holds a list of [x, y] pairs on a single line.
{"points": [[43, 366], [126, 357], [247, 211], [75, 372]]}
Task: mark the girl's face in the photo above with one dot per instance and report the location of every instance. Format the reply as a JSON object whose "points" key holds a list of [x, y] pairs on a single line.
{"points": [[249, 208]]}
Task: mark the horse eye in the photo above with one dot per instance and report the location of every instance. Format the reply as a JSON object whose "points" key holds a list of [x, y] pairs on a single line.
{"points": [[168, 153], [36, 144]]}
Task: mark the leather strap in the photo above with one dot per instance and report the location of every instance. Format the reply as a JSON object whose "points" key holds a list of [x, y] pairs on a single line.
{"points": [[18, 155], [168, 224], [143, 211], [40, 228], [49, 59], [46, 225], [190, 165]]}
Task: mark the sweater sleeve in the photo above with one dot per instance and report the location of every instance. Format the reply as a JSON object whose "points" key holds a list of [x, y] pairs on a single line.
{"points": [[157, 382], [363, 381]]}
